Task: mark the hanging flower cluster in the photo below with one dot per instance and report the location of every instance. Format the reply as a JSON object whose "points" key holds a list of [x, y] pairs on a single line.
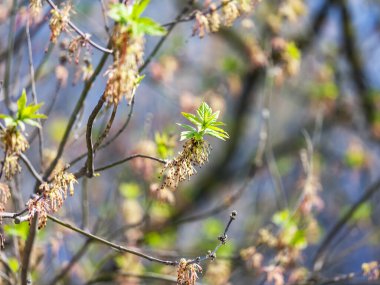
{"points": [[128, 40], [5, 194], [187, 274], [59, 21], [195, 149], [182, 167], [52, 197], [123, 76], [14, 143], [212, 20], [12, 140]]}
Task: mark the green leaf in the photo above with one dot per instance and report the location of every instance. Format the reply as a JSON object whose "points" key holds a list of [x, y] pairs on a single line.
{"points": [[204, 111], [149, 27], [120, 13], [212, 228], [18, 230], [129, 190], [216, 134], [139, 7], [13, 264], [21, 102], [187, 135], [192, 118], [189, 128], [293, 50], [32, 123], [3, 116]]}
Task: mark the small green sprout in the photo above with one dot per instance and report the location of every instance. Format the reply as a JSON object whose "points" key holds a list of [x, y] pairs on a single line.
{"points": [[205, 124], [130, 17], [26, 114]]}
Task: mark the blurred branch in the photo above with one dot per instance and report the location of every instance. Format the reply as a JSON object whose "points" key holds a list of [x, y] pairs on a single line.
{"points": [[353, 57], [318, 260], [8, 64], [28, 251], [34, 91], [146, 275], [31, 168], [75, 258]]}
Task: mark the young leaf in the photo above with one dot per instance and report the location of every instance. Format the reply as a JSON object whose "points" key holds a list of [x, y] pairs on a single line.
{"points": [[146, 26], [21, 102], [139, 7]]}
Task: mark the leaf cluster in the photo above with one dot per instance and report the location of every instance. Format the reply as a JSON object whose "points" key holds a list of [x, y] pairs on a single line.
{"points": [[205, 124], [26, 114], [130, 17]]}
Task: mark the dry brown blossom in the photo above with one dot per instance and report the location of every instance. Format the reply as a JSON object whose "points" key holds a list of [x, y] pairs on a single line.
{"points": [[14, 143], [210, 21], [76, 45], [123, 75], [252, 258], [53, 195], [201, 27], [35, 7], [214, 19], [5, 194], [218, 272], [195, 153], [187, 274], [59, 21], [371, 270], [164, 195], [275, 274], [230, 11]]}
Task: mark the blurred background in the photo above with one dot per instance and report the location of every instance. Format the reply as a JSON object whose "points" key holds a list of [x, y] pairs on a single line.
{"points": [[296, 83]]}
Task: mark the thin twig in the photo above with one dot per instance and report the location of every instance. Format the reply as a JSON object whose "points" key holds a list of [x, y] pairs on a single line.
{"points": [[8, 66], [113, 245], [72, 119], [114, 137], [34, 91], [31, 168], [107, 129], [222, 241], [85, 36], [48, 110], [90, 148], [130, 158]]}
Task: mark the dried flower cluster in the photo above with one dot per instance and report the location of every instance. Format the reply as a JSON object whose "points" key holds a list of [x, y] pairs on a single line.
{"points": [[187, 274], [218, 272], [287, 59], [52, 197], [5, 194], [14, 143], [35, 7], [123, 75], [371, 270], [210, 21], [195, 153], [59, 21]]}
